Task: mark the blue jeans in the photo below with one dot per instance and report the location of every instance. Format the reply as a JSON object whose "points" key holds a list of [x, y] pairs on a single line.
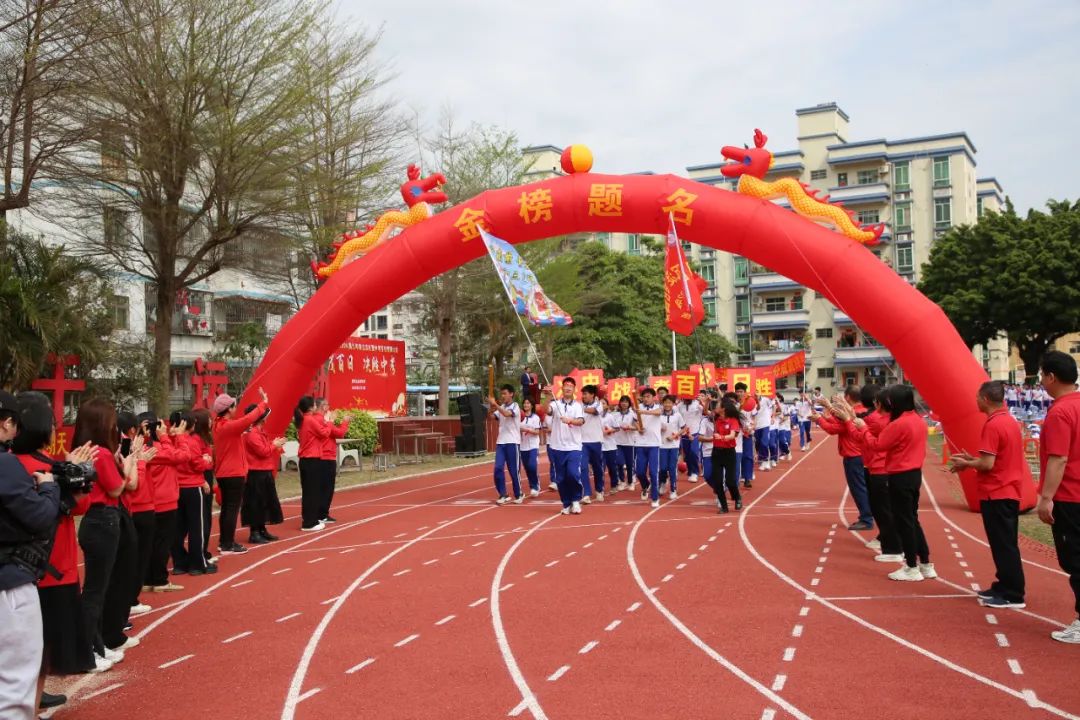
{"points": [[614, 469], [626, 461], [691, 451], [568, 470], [746, 472], [506, 454], [856, 482], [528, 461], [804, 434], [592, 455], [669, 460], [648, 459]]}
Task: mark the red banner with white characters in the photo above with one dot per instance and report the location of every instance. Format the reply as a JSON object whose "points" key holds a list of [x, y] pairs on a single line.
{"points": [[368, 374]]}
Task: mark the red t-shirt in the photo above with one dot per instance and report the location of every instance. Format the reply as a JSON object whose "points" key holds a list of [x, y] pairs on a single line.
{"points": [[108, 479], [261, 453], [849, 444], [230, 458], [874, 459], [65, 549], [313, 433], [726, 426], [337, 432], [190, 474], [903, 441], [1061, 437], [141, 499], [1001, 438]]}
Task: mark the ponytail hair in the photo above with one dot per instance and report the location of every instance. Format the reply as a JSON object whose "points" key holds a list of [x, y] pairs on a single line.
{"points": [[302, 408]]}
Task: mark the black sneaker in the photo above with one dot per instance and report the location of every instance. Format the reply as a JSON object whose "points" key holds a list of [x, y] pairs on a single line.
{"points": [[257, 539], [329, 519], [179, 571], [860, 526], [985, 594], [233, 549], [269, 537], [49, 700], [738, 504], [722, 511], [999, 602]]}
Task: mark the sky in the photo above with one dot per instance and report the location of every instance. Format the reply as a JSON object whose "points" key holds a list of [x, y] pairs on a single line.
{"points": [[649, 87]]}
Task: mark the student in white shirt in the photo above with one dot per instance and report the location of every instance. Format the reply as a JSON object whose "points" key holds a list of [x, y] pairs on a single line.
{"points": [[763, 419], [611, 449], [803, 411], [692, 411], [705, 430], [647, 445], [508, 443], [530, 444], [745, 470], [784, 441], [553, 478], [567, 418], [671, 431], [625, 440], [592, 441]]}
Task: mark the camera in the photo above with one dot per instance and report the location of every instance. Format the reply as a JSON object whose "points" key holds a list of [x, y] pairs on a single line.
{"points": [[73, 478]]}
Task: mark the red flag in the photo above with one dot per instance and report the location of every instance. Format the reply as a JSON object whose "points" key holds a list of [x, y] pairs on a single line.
{"points": [[683, 308]]}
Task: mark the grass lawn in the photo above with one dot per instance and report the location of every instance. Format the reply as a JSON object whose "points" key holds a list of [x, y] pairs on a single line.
{"points": [[288, 482]]}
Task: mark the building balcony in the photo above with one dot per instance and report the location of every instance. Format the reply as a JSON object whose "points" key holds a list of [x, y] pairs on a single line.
{"points": [[772, 281], [780, 320], [839, 317], [863, 355], [873, 193]]}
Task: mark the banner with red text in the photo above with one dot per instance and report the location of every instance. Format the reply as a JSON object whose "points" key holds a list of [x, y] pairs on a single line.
{"points": [[368, 374]]}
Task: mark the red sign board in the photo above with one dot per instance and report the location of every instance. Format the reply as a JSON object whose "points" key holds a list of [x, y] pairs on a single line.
{"points": [[368, 374], [58, 385]]}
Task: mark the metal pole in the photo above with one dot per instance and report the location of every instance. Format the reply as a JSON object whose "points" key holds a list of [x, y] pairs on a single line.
{"points": [[674, 357]]}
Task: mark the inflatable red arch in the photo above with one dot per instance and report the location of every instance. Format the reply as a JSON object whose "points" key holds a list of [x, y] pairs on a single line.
{"points": [[913, 328]]}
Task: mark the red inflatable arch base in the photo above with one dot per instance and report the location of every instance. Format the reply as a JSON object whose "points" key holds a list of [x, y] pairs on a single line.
{"points": [[915, 330]]}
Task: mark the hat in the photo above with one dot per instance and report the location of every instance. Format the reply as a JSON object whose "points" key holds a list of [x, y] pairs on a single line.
{"points": [[222, 403], [251, 408]]}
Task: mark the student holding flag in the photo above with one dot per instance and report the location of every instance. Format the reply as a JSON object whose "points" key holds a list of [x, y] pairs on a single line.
{"points": [[508, 443], [567, 419]]}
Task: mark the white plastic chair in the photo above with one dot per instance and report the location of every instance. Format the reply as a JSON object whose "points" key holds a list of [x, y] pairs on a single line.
{"points": [[343, 453], [290, 454]]}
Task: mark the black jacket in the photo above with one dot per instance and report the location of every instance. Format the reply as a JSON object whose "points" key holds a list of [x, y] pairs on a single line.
{"points": [[27, 513]]}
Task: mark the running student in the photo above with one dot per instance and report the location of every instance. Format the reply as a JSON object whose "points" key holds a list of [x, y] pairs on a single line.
{"points": [[705, 430], [647, 445], [851, 453], [763, 432], [1059, 464], [611, 449], [508, 444], [1000, 472], [672, 428], [567, 418], [727, 432], [531, 429], [692, 411], [803, 411], [626, 439], [592, 444]]}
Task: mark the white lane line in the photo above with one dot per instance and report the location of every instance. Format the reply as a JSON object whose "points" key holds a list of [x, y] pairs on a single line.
{"points": [[553, 563], [327, 601], [968, 574], [558, 673], [803, 612], [288, 617], [371, 584], [446, 619], [478, 544], [789, 654], [797, 631], [572, 553], [310, 693], [506, 587], [615, 530], [346, 551], [823, 559], [666, 578], [241, 583], [819, 569], [815, 582], [963, 563], [400, 535], [359, 666], [703, 548], [612, 625], [991, 619], [399, 573], [478, 603], [405, 641], [282, 570], [958, 554], [828, 541], [680, 566], [1031, 698], [1002, 641], [587, 545], [1014, 665], [234, 638], [102, 691], [531, 574], [712, 539], [633, 607], [602, 537], [976, 587], [778, 682], [518, 709], [422, 527], [500, 535], [318, 559], [768, 714], [456, 552], [693, 556], [177, 661], [431, 562], [588, 646], [1047, 620], [954, 546]]}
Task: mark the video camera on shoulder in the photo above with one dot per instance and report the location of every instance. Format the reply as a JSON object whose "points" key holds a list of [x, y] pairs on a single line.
{"points": [[74, 478]]}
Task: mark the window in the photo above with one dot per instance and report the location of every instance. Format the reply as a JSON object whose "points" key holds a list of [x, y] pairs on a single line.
{"points": [[742, 310], [902, 217], [823, 333], [868, 217], [904, 261], [115, 226], [979, 207], [841, 179], [708, 273], [901, 176], [380, 322], [941, 171], [743, 343], [868, 177], [825, 373], [942, 212], [119, 308], [710, 311], [818, 174], [632, 246], [775, 304], [869, 341], [742, 271], [796, 302]]}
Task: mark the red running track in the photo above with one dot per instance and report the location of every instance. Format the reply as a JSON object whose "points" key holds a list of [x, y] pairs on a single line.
{"points": [[427, 601]]}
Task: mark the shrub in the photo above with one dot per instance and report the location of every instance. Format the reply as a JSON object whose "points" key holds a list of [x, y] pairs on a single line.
{"points": [[362, 426]]}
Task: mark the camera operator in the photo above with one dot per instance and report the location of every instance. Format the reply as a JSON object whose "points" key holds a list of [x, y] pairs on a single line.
{"points": [[29, 507]]}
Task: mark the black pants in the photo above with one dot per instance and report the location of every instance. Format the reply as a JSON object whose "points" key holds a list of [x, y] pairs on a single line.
{"points": [[208, 513], [190, 521], [724, 475], [232, 494], [157, 571], [904, 498], [118, 596], [311, 491], [99, 535], [145, 529], [261, 505], [1066, 529], [1001, 520], [881, 508], [329, 480]]}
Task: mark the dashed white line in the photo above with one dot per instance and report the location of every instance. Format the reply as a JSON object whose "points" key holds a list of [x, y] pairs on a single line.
{"points": [[954, 546], [456, 552], [587, 545], [553, 563], [401, 535], [666, 578], [789, 654], [102, 691], [399, 573], [1014, 665], [519, 708], [703, 548], [602, 537], [825, 550], [446, 619], [976, 587], [405, 641], [177, 661], [310, 693], [287, 617], [588, 646], [963, 563], [477, 603], [615, 530], [531, 574], [991, 619], [693, 556], [282, 570], [804, 612], [968, 574], [506, 587], [768, 714], [796, 631], [371, 584], [814, 582], [346, 551], [422, 527], [680, 566], [1030, 697], [1002, 641], [612, 625], [318, 559], [478, 544], [712, 539], [828, 541], [558, 673], [241, 583], [819, 569], [327, 601], [572, 553], [359, 666], [633, 607], [499, 536], [237, 637], [958, 554], [432, 561], [822, 559], [778, 682]]}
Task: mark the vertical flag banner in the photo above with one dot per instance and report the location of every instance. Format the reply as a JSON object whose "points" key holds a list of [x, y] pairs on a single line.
{"points": [[525, 293], [685, 384], [683, 308], [659, 381], [617, 387]]}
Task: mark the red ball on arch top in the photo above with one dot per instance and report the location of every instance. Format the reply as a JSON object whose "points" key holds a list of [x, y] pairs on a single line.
{"points": [[576, 159]]}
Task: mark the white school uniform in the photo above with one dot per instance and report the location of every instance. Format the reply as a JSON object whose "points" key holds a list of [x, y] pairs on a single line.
{"points": [[691, 414], [627, 434], [593, 429], [509, 427], [670, 424], [764, 416], [651, 423], [611, 422], [565, 437], [705, 430], [785, 416], [530, 442], [803, 410]]}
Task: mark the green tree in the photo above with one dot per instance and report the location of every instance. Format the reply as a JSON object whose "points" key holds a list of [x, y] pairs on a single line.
{"points": [[50, 302], [242, 347], [1012, 274]]}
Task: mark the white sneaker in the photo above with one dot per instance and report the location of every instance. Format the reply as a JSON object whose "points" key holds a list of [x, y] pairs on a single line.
{"points": [[566, 511], [772, 464], [519, 499], [927, 570], [552, 487], [587, 500], [623, 486], [140, 609], [131, 642], [644, 496], [674, 495], [534, 493], [101, 664], [874, 544], [575, 508], [655, 503], [692, 478], [599, 497], [114, 656], [889, 558], [764, 466], [906, 574], [314, 528], [213, 560], [1069, 634], [503, 500]]}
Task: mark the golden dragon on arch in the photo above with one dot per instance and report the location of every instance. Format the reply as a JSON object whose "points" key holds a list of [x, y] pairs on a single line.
{"points": [[419, 195], [751, 165]]}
